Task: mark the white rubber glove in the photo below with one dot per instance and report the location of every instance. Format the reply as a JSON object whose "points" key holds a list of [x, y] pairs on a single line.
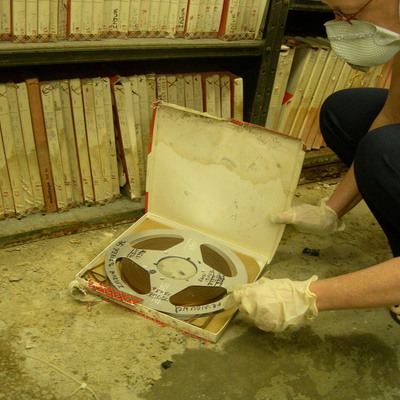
{"points": [[275, 304], [320, 220]]}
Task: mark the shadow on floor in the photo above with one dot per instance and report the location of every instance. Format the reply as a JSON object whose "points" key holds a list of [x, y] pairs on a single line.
{"points": [[299, 366]]}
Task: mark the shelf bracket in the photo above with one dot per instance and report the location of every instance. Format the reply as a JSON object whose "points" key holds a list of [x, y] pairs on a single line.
{"points": [[275, 27]]}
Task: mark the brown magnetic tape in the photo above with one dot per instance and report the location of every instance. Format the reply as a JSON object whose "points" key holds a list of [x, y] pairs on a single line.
{"points": [[182, 273]]}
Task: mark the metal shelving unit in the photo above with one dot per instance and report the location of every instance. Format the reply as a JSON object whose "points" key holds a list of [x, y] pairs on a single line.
{"points": [[265, 51], [257, 57], [308, 5], [109, 50]]}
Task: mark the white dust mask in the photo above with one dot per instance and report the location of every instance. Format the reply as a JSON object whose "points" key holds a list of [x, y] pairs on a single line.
{"points": [[362, 43]]}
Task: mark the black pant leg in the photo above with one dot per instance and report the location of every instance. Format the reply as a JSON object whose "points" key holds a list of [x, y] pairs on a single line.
{"points": [[377, 172], [346, 117]]}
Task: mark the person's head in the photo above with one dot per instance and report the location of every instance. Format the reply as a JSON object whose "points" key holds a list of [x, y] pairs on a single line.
{"points": [[364, 32], [383, 13]]}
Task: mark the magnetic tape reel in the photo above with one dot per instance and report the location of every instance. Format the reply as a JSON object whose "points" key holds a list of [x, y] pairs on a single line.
{"points": [[181, 273]]}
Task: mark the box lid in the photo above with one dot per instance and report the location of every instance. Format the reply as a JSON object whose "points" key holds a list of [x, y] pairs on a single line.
{"points": [[221, 177]]}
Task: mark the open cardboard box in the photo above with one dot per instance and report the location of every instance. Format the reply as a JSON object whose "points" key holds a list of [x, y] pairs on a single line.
{"points": [[221, 178]]}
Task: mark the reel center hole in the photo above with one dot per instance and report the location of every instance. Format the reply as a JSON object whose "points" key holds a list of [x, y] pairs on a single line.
{"points": [[177, 268]]}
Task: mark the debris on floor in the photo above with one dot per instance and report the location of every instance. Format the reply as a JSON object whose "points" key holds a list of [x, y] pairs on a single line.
{"points": [[311, 252]]}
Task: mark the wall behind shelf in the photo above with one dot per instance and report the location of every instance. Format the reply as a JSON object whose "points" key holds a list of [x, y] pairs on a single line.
{"points": [[307, 23]]}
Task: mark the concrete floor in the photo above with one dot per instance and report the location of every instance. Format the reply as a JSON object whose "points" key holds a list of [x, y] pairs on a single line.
{"points": [[52, 345]]}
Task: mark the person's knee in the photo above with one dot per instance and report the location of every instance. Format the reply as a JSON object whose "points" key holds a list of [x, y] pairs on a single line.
{"points": [[377, 155], [349, 113], [330, 110], [336, 131]]}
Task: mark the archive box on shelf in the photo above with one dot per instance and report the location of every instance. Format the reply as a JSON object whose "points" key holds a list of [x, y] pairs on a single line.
{"points": [[220, 178]]}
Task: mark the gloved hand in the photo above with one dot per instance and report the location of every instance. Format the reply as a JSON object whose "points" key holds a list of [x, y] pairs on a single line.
{"points": [[320, 220], [275, 304]]}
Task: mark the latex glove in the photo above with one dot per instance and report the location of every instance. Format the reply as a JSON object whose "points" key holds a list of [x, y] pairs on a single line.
{"points": [[320, 220], [275, 304]]}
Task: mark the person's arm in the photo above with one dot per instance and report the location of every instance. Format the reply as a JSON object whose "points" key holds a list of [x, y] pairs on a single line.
{"points": [[276, 304], [372, 287], [346, 196]]}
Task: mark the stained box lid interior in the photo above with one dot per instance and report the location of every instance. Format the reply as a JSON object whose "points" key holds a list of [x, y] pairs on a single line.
{"points": [[222, 178]]}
